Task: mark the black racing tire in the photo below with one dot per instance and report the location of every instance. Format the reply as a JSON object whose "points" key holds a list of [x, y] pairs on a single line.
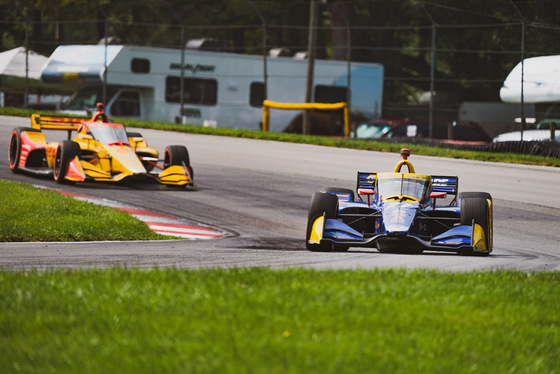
{"points": [[339, 189], [177, 155], [133, 135], [475, 207], [484, 195], [15, 147], [321, 203], [66, 151]]}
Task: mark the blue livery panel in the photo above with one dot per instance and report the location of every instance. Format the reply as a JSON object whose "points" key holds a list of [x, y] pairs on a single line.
{"points": [[449, 185]]}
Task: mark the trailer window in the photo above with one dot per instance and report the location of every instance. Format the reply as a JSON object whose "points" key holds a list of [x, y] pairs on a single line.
{"points": [[126, 105], [330, 94], [140, 65], [195, 91], [88, 97], [256, 94]]}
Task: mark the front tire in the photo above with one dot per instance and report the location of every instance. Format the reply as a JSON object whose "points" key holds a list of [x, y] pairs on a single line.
{"points": [[66, 151], [15, 147], [321, 203], [177, 155], [336, 190], [477, 207]]}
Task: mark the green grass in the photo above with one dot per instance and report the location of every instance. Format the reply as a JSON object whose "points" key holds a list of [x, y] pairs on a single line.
{"points": [[284, 321], [31, 214], [325, 141]]}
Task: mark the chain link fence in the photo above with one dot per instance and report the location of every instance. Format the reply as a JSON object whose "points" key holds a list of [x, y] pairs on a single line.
{"points": [[441, 59]]}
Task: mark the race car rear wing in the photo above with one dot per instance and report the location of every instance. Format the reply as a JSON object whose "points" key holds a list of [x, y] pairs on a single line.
{"points": [[366, 180], [56, 123], [366, 183], [447, 184]]}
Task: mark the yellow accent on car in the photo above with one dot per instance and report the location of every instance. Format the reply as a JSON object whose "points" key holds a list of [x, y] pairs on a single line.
{"points": [[94, 172], [400, 165], [491, 226], [317, 231], [176, 175], [37, 137], [478, 238]]}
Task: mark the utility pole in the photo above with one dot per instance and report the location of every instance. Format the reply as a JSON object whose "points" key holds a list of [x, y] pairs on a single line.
{"points": [[182, 76], [522, 99], [26, 87], [310, 65], [265, 72], [348, 63], [432, 72], [105, 32]]}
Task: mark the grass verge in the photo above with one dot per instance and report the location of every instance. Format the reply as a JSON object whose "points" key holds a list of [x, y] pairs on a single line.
{"points": [[32, 214], [283, 321], [324, 141]]}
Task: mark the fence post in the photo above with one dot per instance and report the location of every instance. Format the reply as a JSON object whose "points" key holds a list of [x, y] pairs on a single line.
{"points": [[266, 116], [310, 64], [265, 69], [348, 108], [432, 72], [347, 121], [522, 99]]}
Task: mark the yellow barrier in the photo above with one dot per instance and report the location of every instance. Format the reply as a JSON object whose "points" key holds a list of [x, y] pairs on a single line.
{"points": [[267, 104]]}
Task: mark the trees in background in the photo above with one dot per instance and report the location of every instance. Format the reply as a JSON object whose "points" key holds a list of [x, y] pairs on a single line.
{"points": [[477, 42]]}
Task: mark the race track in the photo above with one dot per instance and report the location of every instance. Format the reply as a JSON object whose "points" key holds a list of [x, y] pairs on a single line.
{"points": [[259, 192]]}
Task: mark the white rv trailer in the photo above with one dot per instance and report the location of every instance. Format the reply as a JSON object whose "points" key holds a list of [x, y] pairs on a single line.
{"points": [[221, 89], [541, 81]]}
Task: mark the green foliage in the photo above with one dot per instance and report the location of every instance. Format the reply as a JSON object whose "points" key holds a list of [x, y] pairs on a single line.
{"points": [[477, 43], [31, 214], [278, 321]]}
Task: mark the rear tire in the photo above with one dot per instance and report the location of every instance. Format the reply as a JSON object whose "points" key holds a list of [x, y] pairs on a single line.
{"points": [[321, 203], [66, 151], [474, 206], [335, 190], [15, 147], [133, 135], [484, 195], [177, 155]]}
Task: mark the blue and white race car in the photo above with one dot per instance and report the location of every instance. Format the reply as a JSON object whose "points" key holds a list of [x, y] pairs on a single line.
{"points": [[397, 212]]}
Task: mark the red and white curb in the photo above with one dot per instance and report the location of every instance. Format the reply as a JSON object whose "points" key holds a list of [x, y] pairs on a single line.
{"points": [[157, 222]]}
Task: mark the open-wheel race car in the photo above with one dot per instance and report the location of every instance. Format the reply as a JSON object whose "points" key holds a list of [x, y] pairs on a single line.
{"points": [[397, 212], [99, 151]]}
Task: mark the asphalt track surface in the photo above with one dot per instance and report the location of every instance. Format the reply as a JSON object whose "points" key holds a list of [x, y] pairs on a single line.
{"points": [[259, 192]]}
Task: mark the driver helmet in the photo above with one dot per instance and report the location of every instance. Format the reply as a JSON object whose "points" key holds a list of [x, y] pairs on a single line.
{"points": [[100, 106]]}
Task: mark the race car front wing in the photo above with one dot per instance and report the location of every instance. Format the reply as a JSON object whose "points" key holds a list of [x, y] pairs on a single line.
{"points": [[456, 239]]}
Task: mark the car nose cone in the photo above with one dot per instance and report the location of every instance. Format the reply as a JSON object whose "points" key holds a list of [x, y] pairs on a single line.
{"points": [[398, 217]]}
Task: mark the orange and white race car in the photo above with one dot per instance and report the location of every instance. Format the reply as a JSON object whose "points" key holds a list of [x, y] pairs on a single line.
{"points": [[100, 151]]}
